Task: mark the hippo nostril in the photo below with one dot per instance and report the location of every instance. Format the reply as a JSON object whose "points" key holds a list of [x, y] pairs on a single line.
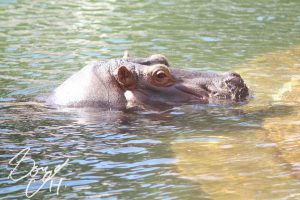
{"points": [[235, 75], [237, 87], [235, 82]]}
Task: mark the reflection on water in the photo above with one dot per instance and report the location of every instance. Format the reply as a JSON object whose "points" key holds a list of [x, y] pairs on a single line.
{"points": [[190, 152]]}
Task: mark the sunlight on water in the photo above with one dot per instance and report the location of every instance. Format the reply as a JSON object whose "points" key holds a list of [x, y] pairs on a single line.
{"points": [[224, 168]]}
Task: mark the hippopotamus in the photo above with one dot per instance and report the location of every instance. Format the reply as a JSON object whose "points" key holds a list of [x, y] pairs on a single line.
{"points": [[126, 82]]}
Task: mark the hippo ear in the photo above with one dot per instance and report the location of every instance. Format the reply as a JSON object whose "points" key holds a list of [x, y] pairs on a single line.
{"points": [[126, 54], [125, 78]]}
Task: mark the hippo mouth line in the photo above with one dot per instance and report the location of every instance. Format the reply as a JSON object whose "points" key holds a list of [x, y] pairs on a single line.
{"points": [[201, 95], [235, 93]]}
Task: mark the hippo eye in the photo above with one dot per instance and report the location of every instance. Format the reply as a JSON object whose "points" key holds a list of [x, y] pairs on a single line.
{"points": [[161, 75]]}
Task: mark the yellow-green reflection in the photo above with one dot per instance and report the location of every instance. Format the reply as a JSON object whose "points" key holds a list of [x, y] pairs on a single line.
{"points": [[254, 164]]}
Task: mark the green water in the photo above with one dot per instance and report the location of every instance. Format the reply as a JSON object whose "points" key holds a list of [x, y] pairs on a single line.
{"points": [[189, 152]]}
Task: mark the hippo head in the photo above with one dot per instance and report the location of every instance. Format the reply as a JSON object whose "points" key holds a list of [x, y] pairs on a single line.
{"points": [[141, 82], [156, 82]]}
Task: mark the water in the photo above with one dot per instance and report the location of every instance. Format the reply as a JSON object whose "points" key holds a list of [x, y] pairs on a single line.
{"points": [[190, 152]]}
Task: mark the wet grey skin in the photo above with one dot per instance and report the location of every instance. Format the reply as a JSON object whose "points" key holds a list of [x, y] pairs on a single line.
{"points": [[140, 82]]}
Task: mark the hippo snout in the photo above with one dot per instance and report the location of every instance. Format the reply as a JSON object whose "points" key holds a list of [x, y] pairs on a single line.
{"points": [[238, 89]]}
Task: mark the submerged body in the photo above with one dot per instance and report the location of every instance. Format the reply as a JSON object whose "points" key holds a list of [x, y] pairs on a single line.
{"points": [[122, 82]]}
